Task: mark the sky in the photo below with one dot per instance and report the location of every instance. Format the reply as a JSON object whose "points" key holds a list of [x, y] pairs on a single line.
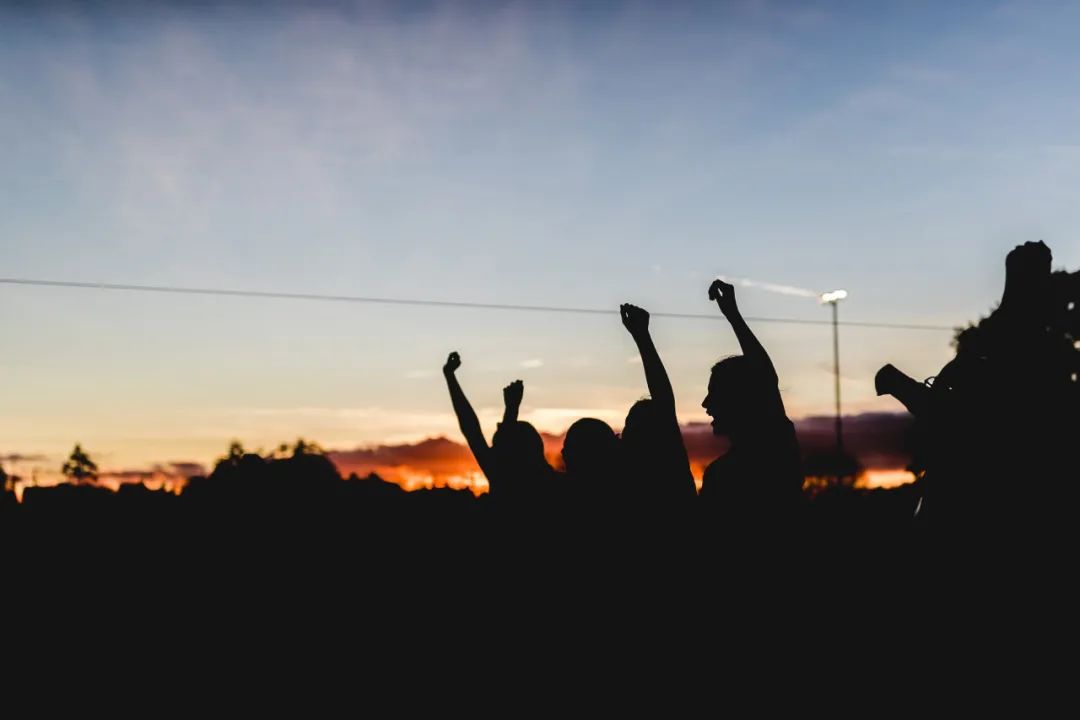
{"points": [[577, 154]]}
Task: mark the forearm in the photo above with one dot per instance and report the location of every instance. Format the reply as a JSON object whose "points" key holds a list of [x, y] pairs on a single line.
{"points": [[470, 426], [510, 412], [911, 393], [466, 416], [656, 376], [751, 347]]}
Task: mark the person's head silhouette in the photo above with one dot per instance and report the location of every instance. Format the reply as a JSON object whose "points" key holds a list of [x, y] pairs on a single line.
{"points": [[591, 449], [739, 399], [652, 455], [519, 449], [644, 422]]}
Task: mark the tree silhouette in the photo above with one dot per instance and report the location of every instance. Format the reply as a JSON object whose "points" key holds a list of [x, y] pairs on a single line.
{"points": [[235, 455], [303, 447], [79, 468]]}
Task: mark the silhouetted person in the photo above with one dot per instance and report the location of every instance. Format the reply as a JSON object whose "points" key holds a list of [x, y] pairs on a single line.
{"points": [[592, 459], [994, 425], [514, 464], [760, 477], [656, 466]]}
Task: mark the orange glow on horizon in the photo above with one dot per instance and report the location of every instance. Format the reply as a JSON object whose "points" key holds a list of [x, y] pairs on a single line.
{"points": [[436, 463], [410, 479], [885, 479]]}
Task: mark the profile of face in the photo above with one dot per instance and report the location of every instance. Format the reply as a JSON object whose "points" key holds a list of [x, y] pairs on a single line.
{"points": [[728, 399]]}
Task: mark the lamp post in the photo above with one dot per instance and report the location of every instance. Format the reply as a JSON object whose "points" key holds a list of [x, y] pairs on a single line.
{"points": [[833, 298]]}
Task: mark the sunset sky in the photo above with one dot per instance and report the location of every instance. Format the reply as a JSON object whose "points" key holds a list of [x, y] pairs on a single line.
{"points": [[581, 154]]}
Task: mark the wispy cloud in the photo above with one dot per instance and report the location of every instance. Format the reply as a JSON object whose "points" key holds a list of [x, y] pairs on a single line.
{"points": [[21, 458], [169, 129]]}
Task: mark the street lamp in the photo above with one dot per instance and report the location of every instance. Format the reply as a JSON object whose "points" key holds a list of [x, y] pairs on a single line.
{"points": [[833, 298]]}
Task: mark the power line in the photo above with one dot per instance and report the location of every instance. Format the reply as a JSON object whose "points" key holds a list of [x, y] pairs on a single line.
{"points": [[429, 303]]}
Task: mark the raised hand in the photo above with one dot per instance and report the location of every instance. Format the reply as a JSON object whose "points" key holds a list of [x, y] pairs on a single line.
{"points": [[910, 392], [512, 401], [1031, 258], [466, 417], [724, 295], [634, 319], [1027, 279], [453, 362], [513, 393], [888, 379]]}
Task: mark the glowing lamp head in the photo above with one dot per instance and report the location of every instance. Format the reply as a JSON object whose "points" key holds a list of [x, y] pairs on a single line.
{"points": [[833, 296]]}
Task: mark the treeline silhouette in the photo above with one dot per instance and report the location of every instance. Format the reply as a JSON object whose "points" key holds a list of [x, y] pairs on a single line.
{"points": [[302, 487]]}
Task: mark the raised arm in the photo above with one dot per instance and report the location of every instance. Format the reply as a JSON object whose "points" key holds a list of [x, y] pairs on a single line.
{"points": [[636, 321], [724, 295], [512, 395], [1027, 293], [913, 394], [466, 416]]}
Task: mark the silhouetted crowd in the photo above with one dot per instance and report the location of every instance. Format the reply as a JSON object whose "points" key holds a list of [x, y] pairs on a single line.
{"points": [[996, 433], [997, 428]]}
